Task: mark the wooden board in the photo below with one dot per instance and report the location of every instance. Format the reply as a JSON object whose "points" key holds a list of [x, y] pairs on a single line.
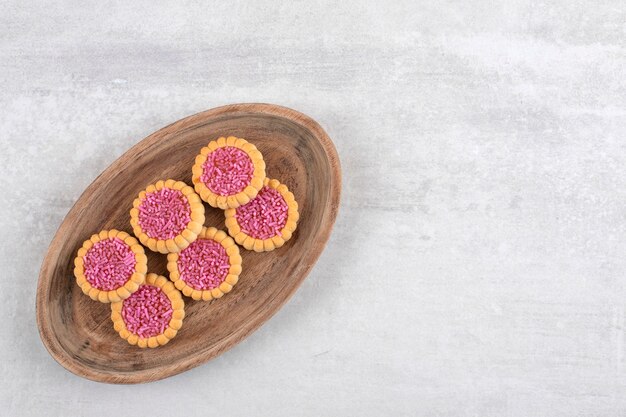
{"points": [[78, 332]]}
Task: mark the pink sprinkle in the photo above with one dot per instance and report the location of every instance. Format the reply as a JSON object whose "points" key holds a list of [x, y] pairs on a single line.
{"points": [[204, 264], [109, 263], [147, 312], [265, 216], [227, 171], [164, 214]]}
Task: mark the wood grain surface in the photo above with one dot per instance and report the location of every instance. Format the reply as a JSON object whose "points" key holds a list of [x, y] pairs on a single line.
{"points": [[78, 332]]}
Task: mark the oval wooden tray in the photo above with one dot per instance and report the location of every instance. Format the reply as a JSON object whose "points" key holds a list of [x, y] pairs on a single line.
{"points": [[78, 332]]}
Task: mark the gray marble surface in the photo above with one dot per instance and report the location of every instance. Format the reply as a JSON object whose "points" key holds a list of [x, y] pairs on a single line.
{"points": [[477, 266]]}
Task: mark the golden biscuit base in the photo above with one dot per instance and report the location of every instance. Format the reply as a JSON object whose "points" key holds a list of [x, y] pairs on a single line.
{"points": [[232, 250], [176, 322], [133, 282], [182, 240], [265, 245], [242, 197]]}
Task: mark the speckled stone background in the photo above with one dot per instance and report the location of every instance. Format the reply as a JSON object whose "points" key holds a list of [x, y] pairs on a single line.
{"points": [[477, 267]]}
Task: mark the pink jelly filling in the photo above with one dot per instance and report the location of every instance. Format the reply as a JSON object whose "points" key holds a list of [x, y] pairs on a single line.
{"points": [[108, 264], [204, 264], [164, 214], [227, 171], [264, 216], [147, 312]]}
